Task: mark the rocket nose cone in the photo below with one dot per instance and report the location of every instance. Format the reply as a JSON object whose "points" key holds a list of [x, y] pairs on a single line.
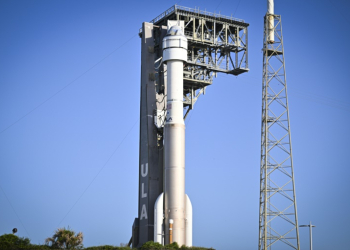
{"points": [[175, 31]]}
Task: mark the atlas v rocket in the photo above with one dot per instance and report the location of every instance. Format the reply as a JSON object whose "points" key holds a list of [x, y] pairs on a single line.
{"points": [[174, 55], [177, 206]]}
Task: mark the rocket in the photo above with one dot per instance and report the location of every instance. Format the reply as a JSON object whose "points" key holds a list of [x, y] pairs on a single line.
{"points": [[173, 209]]}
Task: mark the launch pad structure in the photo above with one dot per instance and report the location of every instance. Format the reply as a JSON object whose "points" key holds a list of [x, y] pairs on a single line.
{"points": [[216, 44]]}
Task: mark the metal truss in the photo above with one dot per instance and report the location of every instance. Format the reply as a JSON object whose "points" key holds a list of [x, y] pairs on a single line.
{"points": [[190, 97], [216, 44], [278, 220]]}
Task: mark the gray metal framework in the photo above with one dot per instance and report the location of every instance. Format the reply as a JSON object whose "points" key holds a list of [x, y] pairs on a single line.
{"points": [[278, 220], [216, 43]]}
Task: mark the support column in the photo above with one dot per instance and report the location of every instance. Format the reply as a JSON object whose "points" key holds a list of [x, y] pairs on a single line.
{"points": [[150, 152]]}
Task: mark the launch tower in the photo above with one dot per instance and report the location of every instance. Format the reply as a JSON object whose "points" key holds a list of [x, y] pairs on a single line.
{"points": [[278, 220], [215, 44]]}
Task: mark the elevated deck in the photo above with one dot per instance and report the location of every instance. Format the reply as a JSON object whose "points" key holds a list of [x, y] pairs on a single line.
{"points": [[216, 43]]}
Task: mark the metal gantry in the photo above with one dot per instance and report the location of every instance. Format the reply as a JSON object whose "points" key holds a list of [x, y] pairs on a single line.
{"points": [[216, 44], [278, 220]]}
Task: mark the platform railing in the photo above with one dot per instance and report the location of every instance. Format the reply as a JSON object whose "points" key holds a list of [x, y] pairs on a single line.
{"points": [[175, 7], [206, 13]]}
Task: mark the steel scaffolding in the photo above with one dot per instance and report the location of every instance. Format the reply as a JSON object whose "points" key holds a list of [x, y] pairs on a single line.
{"points": [[278, 220]]}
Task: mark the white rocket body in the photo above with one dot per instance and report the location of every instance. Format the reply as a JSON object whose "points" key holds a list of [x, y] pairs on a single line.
{"points": [[271, 20], [175, 200], [159, 221]]}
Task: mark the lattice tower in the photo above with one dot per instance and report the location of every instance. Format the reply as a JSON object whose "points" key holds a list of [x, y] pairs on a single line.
{"points": [[278, 220]]}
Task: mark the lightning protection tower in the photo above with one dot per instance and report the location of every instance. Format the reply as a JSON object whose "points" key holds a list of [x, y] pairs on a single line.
{"points": [[278, 220]]}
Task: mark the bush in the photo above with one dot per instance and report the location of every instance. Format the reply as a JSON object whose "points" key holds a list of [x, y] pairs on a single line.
{"points": [[34, 247], [172, 246], [13, 242], [107, 247], [150, 245], [195, 248]]}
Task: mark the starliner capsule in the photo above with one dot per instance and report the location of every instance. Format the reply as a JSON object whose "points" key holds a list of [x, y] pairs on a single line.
{"points": [[177, 206]]}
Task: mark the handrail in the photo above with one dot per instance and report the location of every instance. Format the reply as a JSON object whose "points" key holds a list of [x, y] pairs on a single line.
{"points": [[206, 13], [164, 14], [195, 11]]}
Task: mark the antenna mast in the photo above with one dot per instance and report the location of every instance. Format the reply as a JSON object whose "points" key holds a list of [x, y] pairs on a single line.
{"points": [[278, 220]]}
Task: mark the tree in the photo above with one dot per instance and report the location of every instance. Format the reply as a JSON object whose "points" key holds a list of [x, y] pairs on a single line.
{"points": [[11, 241], [65, 239]]}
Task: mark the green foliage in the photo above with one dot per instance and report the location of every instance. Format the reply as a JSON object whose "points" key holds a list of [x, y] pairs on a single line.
{"points": [[34, 247], [195, 248], [107, 247], [150, 245], [65, 239], [11, 239], [172, 246], [13, 242]]}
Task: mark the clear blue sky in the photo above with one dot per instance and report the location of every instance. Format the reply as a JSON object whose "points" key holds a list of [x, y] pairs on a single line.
{"points": [[69, 108]]}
